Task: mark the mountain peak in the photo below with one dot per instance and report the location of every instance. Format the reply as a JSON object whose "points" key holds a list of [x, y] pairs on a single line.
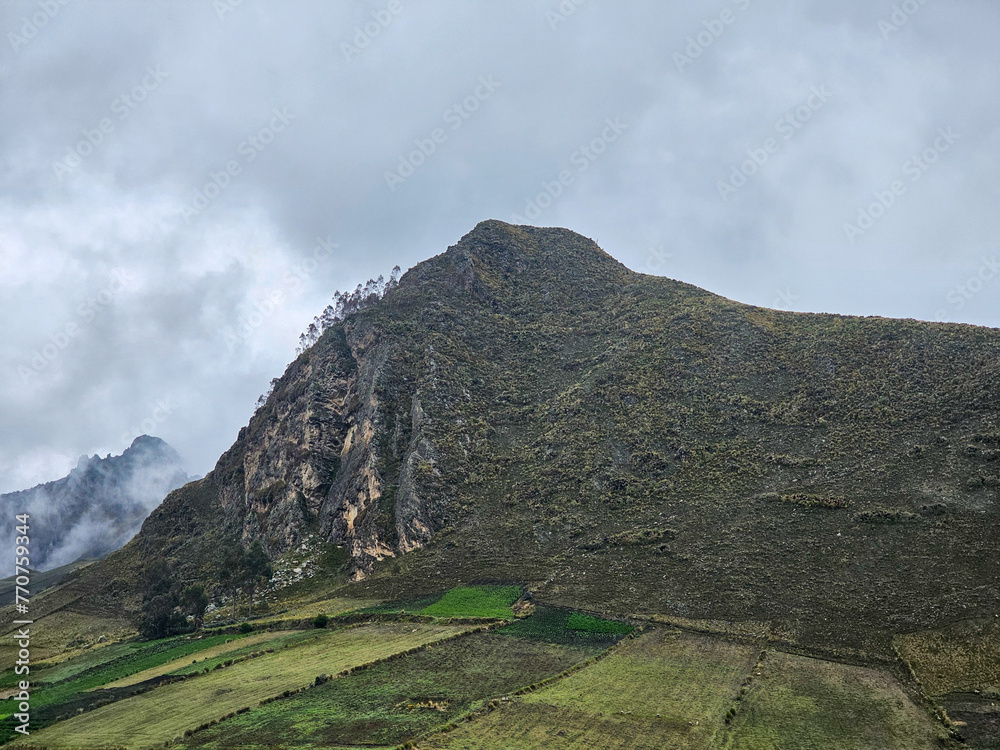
{"points": [[499, 237], [499, 259], [99, 505], [524, 409], [147, 441]]}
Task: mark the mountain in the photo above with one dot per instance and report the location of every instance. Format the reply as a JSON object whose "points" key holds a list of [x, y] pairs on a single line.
{"points": [[98, 507], [40, 581], [525, 408]]}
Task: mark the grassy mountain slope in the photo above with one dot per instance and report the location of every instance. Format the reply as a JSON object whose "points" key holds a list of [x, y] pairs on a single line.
{"points": [[525, 408]]}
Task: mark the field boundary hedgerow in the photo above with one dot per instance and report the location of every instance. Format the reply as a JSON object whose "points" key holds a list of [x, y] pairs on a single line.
{"points": [[928, 702]]}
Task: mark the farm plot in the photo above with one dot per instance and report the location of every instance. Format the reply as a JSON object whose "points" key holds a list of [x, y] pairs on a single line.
{"points": [[663, 689], [798, 702], [226, 647], [81, 682], [399, 700], [168, 711]]}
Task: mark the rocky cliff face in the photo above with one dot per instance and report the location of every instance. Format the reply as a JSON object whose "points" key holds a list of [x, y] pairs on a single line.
{"points": [[357, 435], [314, 457]]}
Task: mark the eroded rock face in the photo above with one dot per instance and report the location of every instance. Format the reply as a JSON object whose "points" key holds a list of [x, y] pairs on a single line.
{"points": [[336, 433]]}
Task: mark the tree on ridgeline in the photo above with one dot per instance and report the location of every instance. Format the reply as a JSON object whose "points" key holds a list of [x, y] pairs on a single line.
{"points": [[265, 396], [345, 303]]}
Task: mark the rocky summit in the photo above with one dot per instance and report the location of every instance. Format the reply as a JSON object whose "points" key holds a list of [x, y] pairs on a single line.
{"points": [[97, 507]]}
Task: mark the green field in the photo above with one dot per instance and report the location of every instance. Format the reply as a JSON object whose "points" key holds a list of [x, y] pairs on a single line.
{"points": [[231, 647], [103, 675], [152, 656], [398, 700], [475, 601], [670, 690], [63, 670], [94, 658], [558, 625], [591, 624], [168, 711], [799, 702], [661, 690]]}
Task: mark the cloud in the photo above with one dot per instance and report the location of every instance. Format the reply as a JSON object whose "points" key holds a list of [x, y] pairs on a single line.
{"points": [[96, 508], [156, 108]]}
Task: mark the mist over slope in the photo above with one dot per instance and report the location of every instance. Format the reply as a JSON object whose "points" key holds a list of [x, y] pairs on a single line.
{"points": [[525, 408], [97, 508]]}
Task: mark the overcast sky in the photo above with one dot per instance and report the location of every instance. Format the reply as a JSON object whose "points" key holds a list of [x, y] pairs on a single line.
{"points": [[169, 168]]}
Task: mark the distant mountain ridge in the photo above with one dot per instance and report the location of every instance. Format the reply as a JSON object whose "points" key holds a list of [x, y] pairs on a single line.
{"points": [[97, 507]]}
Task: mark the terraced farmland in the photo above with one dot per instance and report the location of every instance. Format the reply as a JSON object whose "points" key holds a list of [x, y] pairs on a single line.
{"points": [[395, 701], [228, 647], [168, 711], [63, 670], [663, 689], [690, 692], [62, 689]]}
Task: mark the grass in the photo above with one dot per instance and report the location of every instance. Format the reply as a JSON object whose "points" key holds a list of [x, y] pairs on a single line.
{"points": [[962, 657], [56, 671], [170, 710], [152, 657], [230, 647], [275, 642], [591, 624], [93, 680], [402, 605], [555, 625], [960, 666], [98, 686], [663, 689], [396, 701], [301, 610], [802, 702], [671, 690], [475, 601], [67, 624], [89, 660], [64, 634], [61, 686]]}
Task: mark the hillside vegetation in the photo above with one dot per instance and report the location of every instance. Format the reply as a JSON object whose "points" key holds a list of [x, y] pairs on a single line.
{"points": [[522, 410]]}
